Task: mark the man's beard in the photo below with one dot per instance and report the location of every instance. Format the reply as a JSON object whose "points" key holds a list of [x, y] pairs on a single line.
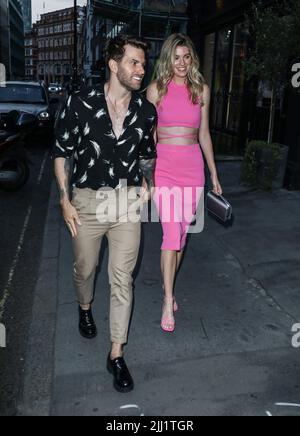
{"points": [[126, 83]]}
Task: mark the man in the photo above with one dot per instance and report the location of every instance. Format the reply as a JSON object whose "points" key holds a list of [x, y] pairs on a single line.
{"points": [[109, 131]]}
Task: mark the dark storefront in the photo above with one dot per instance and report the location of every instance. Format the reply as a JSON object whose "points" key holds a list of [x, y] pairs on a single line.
{"points": [[239, 112], [4, 34], [155, 20]]}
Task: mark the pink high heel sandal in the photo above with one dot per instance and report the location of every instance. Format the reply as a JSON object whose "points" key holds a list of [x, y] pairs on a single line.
{"points": [[167, 324]]}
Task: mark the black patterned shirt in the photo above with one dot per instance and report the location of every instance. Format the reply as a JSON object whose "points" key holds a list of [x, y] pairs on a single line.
{"points": [[84, 131]]}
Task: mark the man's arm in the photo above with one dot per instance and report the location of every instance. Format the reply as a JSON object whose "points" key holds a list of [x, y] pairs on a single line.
{"points": [[67, 132], [147, 166], [62, 169], [148, 153]]}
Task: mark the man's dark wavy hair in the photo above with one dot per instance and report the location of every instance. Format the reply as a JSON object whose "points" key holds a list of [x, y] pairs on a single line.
{"points": [[115, 47]]}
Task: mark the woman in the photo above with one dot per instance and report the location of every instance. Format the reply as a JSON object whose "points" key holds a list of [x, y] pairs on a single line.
{"points": [[182, 100]]}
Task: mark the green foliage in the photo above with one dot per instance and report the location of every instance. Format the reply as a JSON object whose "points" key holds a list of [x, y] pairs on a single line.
{"points": [[260, 166], [276, 33]]}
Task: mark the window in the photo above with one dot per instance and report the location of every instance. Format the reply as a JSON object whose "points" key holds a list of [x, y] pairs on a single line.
{"points": [[23, 93], [67, 69], [65, 27]]}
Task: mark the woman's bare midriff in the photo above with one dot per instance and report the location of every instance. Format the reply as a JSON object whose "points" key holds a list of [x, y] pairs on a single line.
{"points": [[178, 135]]}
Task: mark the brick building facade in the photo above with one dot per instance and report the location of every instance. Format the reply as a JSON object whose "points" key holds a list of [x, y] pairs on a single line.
{"points": [[55, 45]]}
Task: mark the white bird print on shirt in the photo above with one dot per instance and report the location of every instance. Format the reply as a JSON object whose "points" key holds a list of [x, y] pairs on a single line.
{"points": [[123, 142], [125, 164], [76, 130], [69, 101], [140, 132], [131, 150], [139, 102], [92, 163], [66, 136], [92, 93], [57, 144], [134, 119], [132, 166], [86, 129], [82, 152], [63, 115], [100, 114], [87, 105], [111, 172], [83, 178], [96, 147], [110, 135]]}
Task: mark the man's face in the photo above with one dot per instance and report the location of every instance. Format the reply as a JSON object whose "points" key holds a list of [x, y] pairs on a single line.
{"points": [[131, 70]]}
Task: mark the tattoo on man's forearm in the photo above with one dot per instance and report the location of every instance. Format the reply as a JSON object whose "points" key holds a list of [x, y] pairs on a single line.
{"points": [[63, 187], [147, 167]]}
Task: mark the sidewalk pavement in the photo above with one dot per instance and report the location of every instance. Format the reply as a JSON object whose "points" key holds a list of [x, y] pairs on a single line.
{"points": [[231, 354]]}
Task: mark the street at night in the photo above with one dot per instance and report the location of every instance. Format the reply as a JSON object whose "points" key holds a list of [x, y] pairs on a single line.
{"points": [[212, 327]]}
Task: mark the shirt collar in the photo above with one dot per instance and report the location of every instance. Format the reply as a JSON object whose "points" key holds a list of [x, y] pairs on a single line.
{"points": [[133, 108]]}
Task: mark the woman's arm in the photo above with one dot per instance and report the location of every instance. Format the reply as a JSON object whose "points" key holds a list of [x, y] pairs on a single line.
{"points": [[206, 142]]}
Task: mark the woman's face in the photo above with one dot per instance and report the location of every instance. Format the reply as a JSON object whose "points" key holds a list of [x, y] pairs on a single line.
{"points": [[183, 62]]}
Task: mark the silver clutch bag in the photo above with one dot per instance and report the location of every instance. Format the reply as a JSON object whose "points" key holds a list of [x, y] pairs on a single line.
{"points": [[218, 206]]}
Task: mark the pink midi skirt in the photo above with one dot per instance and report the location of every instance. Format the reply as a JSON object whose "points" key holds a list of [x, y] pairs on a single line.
{"points": [[179, 175]]}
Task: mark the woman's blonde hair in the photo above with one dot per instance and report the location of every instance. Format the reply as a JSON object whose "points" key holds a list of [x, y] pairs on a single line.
{"points": [[165, 68]]}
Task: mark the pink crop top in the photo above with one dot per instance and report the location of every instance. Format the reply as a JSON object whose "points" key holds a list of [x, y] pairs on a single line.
{"points": [[177, 110]]}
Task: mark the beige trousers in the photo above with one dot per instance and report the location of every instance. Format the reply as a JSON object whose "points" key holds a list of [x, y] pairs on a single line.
{"points": [[108, 214]]}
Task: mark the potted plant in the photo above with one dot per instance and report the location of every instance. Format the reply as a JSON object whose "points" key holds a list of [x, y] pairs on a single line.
{"points": [[275, 30]]}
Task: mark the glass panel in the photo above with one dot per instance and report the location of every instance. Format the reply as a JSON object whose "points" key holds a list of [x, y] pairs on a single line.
{"points": [[234, 109], [209, 58], [221, 76]]}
